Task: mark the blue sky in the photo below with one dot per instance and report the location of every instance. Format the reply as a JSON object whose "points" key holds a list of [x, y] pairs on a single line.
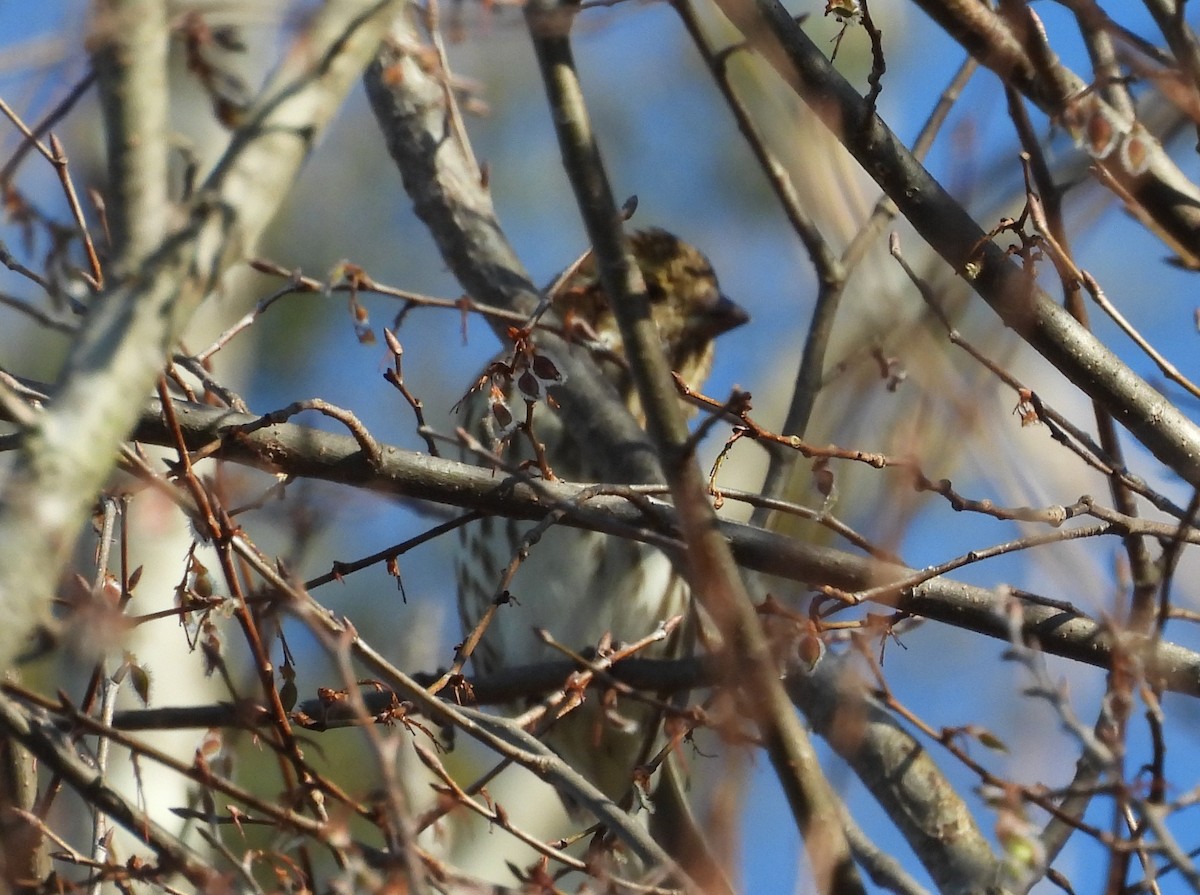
{"points": [[668, 140]]}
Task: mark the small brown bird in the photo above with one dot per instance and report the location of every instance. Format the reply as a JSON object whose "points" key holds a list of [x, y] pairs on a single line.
{"points": [[582, 585]]}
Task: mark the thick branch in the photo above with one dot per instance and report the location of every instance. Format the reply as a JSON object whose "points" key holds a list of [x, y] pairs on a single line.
{"points": [[1173, 201], [69, 450], [708, 564], [412, 107], [131, 68], [41, 737], [953, 234], [900, 774], [301, 451]]}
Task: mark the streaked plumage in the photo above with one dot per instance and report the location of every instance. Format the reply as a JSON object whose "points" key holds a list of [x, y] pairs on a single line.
{"points": [[580, 585]]}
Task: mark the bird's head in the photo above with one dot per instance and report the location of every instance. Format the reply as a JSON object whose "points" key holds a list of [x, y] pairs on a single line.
{"points": [[686, 302]]}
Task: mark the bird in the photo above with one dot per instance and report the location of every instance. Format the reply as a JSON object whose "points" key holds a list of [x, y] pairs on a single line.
{"points": [[583, 586]]}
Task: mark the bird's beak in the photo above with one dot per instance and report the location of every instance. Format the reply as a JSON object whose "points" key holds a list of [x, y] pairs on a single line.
{"points": [[727, 315]]}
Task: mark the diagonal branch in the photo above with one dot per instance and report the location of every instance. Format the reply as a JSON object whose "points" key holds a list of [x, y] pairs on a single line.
{"points": [[1027, 63], [1166, 432], [708, 562], [900, 774], [414, 109], [297, 450], [68, 451]]}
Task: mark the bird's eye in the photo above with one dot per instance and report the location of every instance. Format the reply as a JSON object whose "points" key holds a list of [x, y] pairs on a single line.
{"points": [[655, 291]]}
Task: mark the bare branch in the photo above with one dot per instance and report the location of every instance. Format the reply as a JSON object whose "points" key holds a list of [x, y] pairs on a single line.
{"points": [[66, 456], [1056, 626]]}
